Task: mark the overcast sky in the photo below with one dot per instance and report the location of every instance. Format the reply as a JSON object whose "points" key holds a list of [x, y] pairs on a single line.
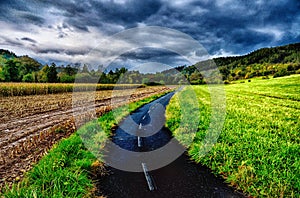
{"points": [[66, 31]]}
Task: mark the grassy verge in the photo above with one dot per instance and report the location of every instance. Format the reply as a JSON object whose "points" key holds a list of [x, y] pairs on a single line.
{"points": [[65, 170], [259, 147]]}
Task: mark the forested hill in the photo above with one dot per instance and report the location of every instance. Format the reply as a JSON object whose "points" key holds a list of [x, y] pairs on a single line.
{"points": [[15, 68], [266, 62], [276, 61], [282, 54]]}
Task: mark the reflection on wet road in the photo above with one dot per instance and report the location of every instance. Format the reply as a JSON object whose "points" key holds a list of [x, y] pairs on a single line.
{"points": [[141, 132]]}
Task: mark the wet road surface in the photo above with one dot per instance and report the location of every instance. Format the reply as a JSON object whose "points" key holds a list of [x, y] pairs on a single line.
{"points": [[136, 136]]}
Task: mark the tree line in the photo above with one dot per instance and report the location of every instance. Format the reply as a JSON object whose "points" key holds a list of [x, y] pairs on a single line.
{"points": [[26, 69], [276, 62]]}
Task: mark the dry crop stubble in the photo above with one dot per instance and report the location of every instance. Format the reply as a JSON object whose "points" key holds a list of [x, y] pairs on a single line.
{"points": [[45, 119]]}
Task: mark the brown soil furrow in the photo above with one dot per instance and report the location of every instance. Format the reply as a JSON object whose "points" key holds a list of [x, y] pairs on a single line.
{"points": [[25, 137]]}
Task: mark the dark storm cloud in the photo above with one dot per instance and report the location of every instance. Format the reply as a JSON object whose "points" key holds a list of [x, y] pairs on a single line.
{"points": [[75, 52], [71, 52], [28, 39], [148, 53], [152, 55], [106, 14], [48, 51], [31, 18], [128, 13], [70, 8], [231, 26], [140, 59], [80, 25], [21, 12], [9, 41], [77, 14]]}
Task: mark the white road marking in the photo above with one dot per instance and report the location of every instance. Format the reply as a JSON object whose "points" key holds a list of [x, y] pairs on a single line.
{"points": [[148, 178], [144, 117], [139, 142], [140, 126]]}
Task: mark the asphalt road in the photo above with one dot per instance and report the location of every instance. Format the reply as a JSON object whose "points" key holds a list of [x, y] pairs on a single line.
{"points": [[141, 134]]}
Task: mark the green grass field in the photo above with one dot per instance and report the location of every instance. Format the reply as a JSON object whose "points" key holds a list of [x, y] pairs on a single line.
{"points": [[258, 150]]}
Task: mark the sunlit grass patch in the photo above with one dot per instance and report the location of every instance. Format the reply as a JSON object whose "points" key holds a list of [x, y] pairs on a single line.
{"points": [[259, 147]]}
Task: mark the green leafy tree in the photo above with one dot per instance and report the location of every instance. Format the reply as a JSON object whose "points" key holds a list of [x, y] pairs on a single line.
{"points": [[196, 78], [27, 66], [28, 78], [42, 74], [10, 71], [2, 77], [65, 78], [52, 73], [145, 80], [70, 70]]}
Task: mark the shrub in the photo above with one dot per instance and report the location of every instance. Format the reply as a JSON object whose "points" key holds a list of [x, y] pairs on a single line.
{"points": [[265, 77], [28, 78], [280, 73], [226, 82], [65, 78]]}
